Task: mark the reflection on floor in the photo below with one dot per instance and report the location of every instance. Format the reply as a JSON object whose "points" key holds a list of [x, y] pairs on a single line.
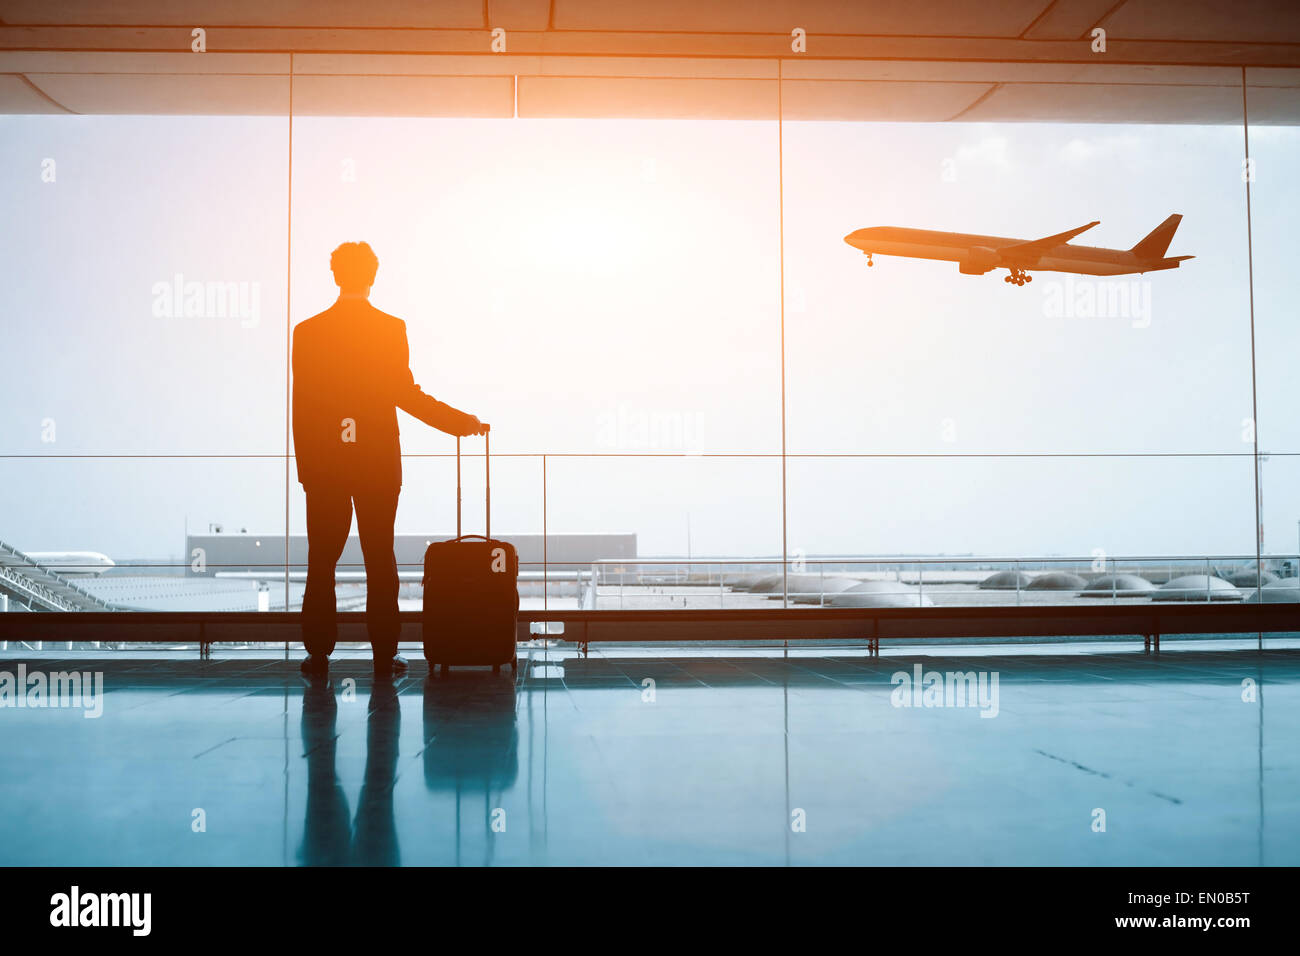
{"points": [[680, 757]]}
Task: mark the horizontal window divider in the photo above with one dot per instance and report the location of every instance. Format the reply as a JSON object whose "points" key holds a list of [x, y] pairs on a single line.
{"points": [[764, 455]]}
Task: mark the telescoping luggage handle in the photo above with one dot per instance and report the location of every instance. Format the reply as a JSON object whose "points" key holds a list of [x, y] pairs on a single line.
{"points": [[487, 482]]}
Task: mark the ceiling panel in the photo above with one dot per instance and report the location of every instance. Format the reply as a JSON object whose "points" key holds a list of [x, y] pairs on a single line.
{"points": [[1007, 18], [82, 61], [878, 101], [636, 97], [1069, 19], [1023, 60], [166, 93], [348, 85], [1098, 103], [992, 72], [1256, 21], [519, 14], [18, 95], [477, 96], [1274, 106], [457, 14]]}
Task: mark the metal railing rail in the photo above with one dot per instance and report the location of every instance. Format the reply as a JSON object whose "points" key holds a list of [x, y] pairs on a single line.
{"points": [[865, 626]]}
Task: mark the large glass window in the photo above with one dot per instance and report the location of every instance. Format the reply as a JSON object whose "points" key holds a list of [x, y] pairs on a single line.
{"points": [[673, 341], [1275, 197], [144, 352]]}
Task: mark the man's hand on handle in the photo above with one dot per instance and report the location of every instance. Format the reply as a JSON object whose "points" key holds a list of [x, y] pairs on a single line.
{"points": [[473, 426]]}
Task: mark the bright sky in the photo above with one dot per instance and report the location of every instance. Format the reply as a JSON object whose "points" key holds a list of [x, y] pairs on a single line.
{"points": [[614, 286]]}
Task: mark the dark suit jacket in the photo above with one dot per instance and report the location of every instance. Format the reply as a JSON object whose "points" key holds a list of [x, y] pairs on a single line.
{"points": [[351, 364]]}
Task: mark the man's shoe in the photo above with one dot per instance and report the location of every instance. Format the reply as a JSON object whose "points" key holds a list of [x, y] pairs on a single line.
{"points": [[394, 666], [315, 665]]}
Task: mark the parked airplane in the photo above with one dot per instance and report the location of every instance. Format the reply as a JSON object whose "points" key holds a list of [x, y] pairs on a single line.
{"points": [[976, 255], [72, 562]]}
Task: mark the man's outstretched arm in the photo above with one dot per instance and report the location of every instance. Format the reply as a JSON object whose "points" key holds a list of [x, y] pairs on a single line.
{"points": [[413, 400]]}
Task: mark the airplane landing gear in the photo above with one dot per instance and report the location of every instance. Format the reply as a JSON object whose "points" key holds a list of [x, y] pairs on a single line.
{"points": [[869, 262], [1018, 276]]}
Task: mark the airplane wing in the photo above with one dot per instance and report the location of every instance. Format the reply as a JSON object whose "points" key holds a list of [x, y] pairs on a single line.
{"points": [[1036, 247]]}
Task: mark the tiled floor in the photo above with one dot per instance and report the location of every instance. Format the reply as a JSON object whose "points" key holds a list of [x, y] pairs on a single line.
{"points": [[727, 756]]}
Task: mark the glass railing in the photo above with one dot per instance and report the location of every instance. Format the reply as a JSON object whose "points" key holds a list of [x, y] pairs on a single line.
{"points": [[939, 581]]}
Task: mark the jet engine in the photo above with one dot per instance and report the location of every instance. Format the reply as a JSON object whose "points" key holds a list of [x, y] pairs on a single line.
{"points": [[979, 260]]}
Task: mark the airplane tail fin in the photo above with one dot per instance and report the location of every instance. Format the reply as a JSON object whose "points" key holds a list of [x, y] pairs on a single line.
{"points": [[1155, 243]]}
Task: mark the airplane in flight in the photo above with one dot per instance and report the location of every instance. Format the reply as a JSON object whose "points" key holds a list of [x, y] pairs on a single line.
{"points": [[976, 255]]}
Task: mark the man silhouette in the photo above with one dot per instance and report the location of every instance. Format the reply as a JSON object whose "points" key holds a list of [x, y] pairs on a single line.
{"points": [[351, 373]]}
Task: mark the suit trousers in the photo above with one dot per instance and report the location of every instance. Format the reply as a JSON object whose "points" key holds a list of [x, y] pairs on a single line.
{"points": [[329, 521]]}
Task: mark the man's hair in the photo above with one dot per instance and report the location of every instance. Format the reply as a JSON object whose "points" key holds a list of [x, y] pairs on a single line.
{"points": [[354, 265]]}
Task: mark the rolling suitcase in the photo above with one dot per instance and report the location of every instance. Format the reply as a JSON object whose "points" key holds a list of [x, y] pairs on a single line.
{"points": [[471, 592]]}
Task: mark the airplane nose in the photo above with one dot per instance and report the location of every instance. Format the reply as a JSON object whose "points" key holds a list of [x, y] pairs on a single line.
{"points": [[853, 237]]}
